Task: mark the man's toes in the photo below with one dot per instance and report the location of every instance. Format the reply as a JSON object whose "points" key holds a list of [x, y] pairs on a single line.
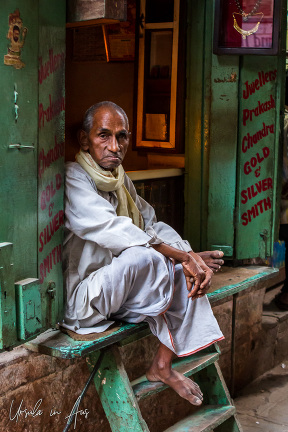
{"points": [[194, 383], [213, 265], [193, 395], [194, 400], [216, 254], [197, 392], [218, 262], [195, 389]]}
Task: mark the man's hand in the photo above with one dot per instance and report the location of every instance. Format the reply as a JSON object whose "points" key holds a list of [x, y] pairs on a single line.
{"points": [[207, 270], [197, 272]]}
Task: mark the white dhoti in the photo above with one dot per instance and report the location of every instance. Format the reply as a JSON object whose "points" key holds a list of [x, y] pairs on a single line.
{"points": [[142, 285]]}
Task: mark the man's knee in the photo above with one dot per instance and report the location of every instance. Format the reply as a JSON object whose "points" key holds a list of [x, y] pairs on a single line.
{"points": [[141, 258]]}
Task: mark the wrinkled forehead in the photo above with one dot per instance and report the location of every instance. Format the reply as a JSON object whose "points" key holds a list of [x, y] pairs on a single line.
{"points": [[109, 118]]}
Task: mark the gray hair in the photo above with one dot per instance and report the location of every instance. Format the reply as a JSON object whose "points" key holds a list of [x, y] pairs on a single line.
{"points": [[89, 114]]}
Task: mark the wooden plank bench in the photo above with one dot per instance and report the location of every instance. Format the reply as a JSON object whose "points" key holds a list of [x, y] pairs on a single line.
{"points": [[112, 383]]}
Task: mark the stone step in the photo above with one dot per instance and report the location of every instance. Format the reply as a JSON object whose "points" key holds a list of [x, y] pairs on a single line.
{"points": [[205, 419], [186, 365], [272, 315]]}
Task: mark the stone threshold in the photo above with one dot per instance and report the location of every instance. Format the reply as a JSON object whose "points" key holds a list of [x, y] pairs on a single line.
{"points": [[272, 316], [231, 280]]}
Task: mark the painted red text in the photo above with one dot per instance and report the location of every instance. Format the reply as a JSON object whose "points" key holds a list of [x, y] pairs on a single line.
{"points": [[53, 109], [48, 193], [260, 109], [48, 68], [52, 155], [254, 190], [263, 78], [249, 141], [256, 160], [50, 229], [256, 210], [53, 258]]}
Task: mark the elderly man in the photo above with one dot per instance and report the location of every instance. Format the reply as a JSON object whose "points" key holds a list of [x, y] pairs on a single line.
{"points": [[120, 263]]}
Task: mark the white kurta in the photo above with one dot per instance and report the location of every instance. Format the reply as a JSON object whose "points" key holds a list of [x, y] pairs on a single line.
{"points": [[111, 272]]}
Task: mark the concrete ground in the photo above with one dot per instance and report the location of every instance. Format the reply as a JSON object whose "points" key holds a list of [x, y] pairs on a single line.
{"points": [[263, 405]]}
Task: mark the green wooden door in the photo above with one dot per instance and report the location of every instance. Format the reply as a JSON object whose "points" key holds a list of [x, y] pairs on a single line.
{"points": [[233, 124], [258, 151], [18, 160], [18, 173], [31, 34]]}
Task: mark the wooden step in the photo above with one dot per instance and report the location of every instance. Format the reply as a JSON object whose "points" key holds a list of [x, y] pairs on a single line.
{"points": [[186, 365], [204, 420]]}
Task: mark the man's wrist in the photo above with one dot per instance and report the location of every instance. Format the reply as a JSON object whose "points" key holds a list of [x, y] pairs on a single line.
{"points": [[187, 257]]}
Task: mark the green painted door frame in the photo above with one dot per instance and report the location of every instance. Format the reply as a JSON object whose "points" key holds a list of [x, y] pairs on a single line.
{"points": [[32, 107]]}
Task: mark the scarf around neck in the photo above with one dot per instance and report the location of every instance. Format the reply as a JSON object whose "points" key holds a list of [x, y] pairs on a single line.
{"points": [[108, 181]]}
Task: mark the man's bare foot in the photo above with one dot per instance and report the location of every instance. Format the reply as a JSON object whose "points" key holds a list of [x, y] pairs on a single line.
{"points": [[212, 259], [185, 387]]}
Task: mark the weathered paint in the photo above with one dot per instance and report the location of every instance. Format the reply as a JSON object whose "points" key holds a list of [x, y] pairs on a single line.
{"points": [[28, 307], [51, 117], [116, 394], [214, 134], [222, 157], [18, 167], [18, 164], [235, 288], [22, 144], [7, 297], [121, 407], [258, 139], [58, 344], [119, 397]]}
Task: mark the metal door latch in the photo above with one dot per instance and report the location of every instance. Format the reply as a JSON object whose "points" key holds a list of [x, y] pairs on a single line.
{"points": [[21, 146], [16, 107], [51, 290], [264, 235]]}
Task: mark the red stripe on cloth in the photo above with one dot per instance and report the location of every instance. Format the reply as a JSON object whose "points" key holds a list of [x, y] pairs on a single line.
{"points": [[170, 335], [199, 349], [192, 352]]}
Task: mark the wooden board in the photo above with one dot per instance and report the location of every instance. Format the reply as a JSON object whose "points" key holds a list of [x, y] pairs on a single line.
{"points": [[231, 280], [58, 344], [204, 420]]}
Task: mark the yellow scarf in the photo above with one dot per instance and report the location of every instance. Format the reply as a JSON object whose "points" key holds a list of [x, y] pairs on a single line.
{"points": [[108, 182]]}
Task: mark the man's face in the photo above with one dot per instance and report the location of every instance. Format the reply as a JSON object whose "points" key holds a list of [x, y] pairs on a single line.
{"points": [[108, 139]]}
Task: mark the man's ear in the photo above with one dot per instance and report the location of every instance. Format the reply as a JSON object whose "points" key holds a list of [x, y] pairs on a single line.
{"points": [[83, 140]]}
